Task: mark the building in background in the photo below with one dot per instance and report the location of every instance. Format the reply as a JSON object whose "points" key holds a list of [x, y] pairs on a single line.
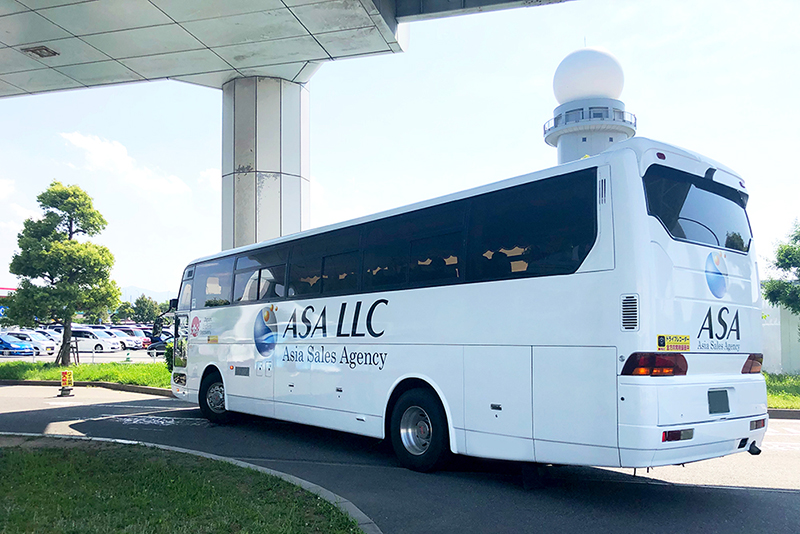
{"points": [[781, 340]]}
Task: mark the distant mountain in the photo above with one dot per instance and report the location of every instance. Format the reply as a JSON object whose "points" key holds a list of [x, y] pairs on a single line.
{"points": [[131, 293]]}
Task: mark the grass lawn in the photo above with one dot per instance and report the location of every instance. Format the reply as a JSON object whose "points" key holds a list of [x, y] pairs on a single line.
{"points": [[783, 391], [141, 374], [66, 486]]}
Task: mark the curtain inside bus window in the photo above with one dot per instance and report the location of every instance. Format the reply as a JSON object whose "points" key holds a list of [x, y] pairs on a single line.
{"points": [[213, 282], [542, 228], [697, 210]]}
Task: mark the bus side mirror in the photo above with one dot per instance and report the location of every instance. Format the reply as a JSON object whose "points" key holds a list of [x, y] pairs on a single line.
{"points": [[173, 304]]}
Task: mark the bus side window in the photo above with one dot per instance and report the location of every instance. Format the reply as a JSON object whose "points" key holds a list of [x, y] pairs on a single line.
{"points": [[272, 283], [245, 286], [542, 228], [386, 266], [436, 259], [340, 273], [213, 283]]}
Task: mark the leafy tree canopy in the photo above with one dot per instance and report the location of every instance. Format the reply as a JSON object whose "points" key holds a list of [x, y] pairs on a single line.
{"points": [[145, 310], [60, 275], [786, 290], [123, 313]]}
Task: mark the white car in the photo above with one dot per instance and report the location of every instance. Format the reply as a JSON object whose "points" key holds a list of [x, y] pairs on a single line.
{"points": [[125, 340], [41, 344], [95, 341], [134, 333]]}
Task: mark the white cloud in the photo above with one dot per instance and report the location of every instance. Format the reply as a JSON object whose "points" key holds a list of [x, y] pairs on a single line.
{"points": [[6, 188], [211, 178], [112, 156]]}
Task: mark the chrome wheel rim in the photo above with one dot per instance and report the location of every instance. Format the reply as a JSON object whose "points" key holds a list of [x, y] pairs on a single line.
{"points": [[215, 397], [415, 430]]}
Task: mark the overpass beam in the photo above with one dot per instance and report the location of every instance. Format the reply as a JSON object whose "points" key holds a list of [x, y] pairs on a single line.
{"points": [[265, 160]]}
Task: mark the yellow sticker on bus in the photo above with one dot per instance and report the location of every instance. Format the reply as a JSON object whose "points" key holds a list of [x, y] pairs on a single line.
{"points": [[673, 343]]}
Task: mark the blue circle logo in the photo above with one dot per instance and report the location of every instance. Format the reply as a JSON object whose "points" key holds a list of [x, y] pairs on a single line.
{"points": [[265, 331], [717, 274]]}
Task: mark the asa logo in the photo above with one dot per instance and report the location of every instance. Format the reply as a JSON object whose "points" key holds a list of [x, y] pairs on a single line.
{"points": [[265, 331], [717, 274]]}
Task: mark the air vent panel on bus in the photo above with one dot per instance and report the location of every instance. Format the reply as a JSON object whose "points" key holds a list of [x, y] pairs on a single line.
{"points": [[630, 313]]}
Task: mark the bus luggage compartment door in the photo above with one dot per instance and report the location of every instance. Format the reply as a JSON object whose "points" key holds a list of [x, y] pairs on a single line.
{"points": [[497, 402], [575, 405]]}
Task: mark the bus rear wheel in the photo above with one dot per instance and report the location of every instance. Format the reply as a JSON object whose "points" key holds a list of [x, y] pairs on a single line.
{"points": [[419, 430], [212, 399]]}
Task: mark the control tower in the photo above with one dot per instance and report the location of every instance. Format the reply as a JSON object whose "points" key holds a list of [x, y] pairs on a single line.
{"points": [[590, 117]]}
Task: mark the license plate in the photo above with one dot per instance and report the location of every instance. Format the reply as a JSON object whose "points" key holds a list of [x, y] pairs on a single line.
{"points": [[718, 401]]}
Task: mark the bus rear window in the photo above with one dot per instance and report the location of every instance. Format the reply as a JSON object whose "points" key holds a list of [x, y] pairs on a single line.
{"points": [[696, 209]]}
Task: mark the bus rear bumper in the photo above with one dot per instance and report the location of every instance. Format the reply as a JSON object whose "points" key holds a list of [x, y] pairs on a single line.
{"points": [[642, 446]]}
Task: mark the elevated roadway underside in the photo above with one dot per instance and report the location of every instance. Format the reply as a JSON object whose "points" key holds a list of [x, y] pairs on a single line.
{"points": [[51, 45]]}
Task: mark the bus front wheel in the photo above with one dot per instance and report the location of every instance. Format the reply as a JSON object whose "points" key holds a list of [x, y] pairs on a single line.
{"points": [[212, 399], [419, 430]]}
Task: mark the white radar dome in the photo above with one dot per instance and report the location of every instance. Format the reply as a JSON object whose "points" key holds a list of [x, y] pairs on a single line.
{"points": [[588, 73]]}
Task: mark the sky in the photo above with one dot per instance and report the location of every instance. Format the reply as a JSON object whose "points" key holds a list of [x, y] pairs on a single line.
{"points": [[463, 106]]}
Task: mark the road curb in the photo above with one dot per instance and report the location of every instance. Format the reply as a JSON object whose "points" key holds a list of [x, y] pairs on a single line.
{"points": [[131, 388], [775, 413], [364, 522]]}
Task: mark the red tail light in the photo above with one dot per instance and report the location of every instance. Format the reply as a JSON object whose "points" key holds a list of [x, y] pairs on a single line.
{"points": [[753, 364], [655, 364]]}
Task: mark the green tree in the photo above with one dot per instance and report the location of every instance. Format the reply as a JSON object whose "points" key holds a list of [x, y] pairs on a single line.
{"points": [[60, 275], [123, 313], [786, 290], [145, 310]]}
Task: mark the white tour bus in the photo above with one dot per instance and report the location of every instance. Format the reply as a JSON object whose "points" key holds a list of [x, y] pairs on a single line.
{"points": [[603, 312]]}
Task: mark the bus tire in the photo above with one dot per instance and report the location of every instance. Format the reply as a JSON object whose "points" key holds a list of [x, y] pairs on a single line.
{"points": [[419, 430], [212, 399]]}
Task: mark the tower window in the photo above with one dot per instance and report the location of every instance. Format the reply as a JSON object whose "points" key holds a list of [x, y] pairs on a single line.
{"points": [[583, 140], [610, 139]]}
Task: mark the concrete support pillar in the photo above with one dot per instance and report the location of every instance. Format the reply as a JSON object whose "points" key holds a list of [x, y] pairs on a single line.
{"points": [[265, 160]]}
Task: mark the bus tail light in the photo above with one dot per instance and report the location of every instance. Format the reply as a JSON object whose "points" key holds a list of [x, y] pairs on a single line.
{"points": [[677, 435], [759, 423], [655, 364], [753, 364]]}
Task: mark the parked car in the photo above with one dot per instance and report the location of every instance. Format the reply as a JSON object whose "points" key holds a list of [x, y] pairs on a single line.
{"points": [[11, 346], [41, 344], [95, 341], [157, 348], [135, 332], [52, 335], [126, 341]]}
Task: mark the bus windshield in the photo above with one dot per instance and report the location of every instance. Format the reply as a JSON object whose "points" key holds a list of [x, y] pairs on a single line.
{"points": [[696, 209]]}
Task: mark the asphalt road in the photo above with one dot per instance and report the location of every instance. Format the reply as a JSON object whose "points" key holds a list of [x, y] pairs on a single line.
{"points": [[739, 493]]}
